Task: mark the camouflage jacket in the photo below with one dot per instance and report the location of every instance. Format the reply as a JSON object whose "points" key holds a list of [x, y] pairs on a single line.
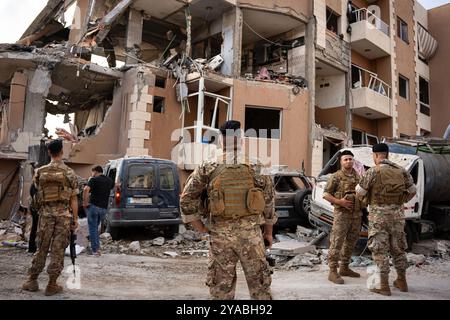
{"points": [[59, 208], [341, 183], [192, 204], [387, 212]]}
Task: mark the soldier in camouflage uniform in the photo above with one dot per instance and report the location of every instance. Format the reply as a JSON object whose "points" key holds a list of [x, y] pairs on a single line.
{"points": [[387, 186], [57, 189], [239, 201], [340, 191]]}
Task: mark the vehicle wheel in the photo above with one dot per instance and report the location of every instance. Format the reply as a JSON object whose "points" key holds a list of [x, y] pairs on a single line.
{"points": [[412, 234], [172, 230], [113, 231], [302, 204]]}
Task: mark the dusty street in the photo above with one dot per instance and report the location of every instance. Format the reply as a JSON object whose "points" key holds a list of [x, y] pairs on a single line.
{"points": [[120, 276]]}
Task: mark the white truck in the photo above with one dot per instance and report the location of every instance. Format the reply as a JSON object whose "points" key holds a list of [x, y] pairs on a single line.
{"points": [[427, 213]]}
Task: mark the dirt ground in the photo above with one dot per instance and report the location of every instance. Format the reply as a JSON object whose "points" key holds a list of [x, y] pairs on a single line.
{"points": [[124, 276]]}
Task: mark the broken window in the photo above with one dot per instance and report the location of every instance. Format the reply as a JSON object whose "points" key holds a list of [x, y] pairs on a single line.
{"points": [[158, 104], [357, 137], [160, 82], [265, 122], [140, 177], [332, 20]]}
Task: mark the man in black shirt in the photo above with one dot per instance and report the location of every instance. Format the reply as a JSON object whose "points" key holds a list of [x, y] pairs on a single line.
{"points": [[99, 186]]}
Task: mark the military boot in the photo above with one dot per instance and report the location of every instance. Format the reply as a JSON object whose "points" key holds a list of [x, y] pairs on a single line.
{"points": [[334, 276], [52, 286], [400, 282], [384, 289], [31, 284], [345, 271]]}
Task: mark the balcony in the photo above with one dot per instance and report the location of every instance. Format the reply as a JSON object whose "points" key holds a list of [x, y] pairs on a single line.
{"points": [[370, 36], [371, 101]]}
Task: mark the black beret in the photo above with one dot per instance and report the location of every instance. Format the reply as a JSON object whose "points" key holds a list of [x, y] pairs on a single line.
{"points": [[380, 147], [55, 146], [98, 169], [346, 153], [229, 125]]}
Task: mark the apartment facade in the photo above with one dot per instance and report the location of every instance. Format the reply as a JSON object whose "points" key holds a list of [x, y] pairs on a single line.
{"points": [[387, 82], [305, 78], [438, 19]]}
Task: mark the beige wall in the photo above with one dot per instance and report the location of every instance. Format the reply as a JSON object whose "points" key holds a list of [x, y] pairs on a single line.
{"points": [[405, 61], [294, 127], [334, 116], [364, 124], [336, 6], [301, 8], [438, 25]]}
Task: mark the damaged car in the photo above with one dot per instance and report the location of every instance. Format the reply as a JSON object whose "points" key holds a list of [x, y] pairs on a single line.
{"points": [[292, 197]]}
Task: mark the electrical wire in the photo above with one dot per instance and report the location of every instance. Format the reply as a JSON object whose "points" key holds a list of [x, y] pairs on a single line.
{"points": [[269, 41]]}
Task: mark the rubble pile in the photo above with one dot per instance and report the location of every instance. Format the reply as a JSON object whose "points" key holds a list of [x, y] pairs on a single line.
{"points": [[12, 234], [188, 243]]}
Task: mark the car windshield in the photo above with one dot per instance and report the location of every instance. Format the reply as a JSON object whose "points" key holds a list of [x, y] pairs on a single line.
{"points": [[288, 184]]}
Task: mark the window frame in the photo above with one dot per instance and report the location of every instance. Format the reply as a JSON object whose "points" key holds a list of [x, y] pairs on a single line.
{"points": [[400, 23], [153, 167], [280, 122], [400, 76], [168, 167], [424, 106]]}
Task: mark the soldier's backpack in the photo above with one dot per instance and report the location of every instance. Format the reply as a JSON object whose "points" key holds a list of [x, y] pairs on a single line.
{"points": [[390, 187], [232, 192], [53, 185]]}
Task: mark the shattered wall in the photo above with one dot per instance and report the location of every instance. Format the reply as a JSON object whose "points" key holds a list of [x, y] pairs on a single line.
{"points": [[9, 186]]}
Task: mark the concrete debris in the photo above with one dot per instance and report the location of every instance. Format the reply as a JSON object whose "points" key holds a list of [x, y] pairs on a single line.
{"points": [[191, 252], [303, 260], [158, 241], [2, 232], [432, 248], [291, 248], [78, 250], [282, 237], [361, 261], [181, 229], [305, 232], [18, 231], [415, 259], [134, 246], [106, 236], [171, 253]]}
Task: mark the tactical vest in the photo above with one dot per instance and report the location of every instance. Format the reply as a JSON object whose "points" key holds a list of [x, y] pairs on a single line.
{"points": [[53, 185], [389, 186], [232, 192], [346, 189]]}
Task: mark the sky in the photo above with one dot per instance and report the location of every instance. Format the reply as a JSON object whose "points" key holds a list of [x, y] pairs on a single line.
{"points": [[17, 15]]}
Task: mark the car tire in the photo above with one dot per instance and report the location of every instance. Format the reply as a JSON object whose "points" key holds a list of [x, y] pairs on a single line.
{"points": [[412, 234], [172, 230], [113, 231], [302, 204]]}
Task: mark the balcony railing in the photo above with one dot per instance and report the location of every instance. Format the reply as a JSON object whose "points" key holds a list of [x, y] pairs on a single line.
{"points": [[374, 83], [365, 15]]}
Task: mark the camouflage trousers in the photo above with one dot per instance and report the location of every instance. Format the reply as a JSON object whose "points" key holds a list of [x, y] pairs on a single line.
{"points": [[343, 238], [388, 237], [53, 233], [229, 246]]}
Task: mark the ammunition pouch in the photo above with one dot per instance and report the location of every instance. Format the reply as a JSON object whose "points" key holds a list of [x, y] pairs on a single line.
{"points": [[255, 201]]}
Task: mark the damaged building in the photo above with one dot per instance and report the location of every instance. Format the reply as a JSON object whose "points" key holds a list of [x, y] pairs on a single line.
{"points": [[176, 69]]}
